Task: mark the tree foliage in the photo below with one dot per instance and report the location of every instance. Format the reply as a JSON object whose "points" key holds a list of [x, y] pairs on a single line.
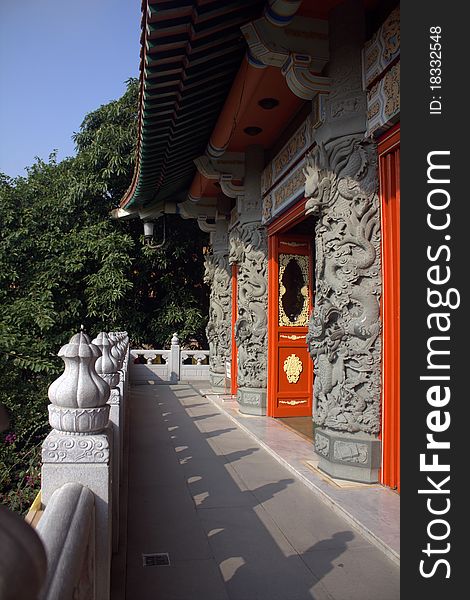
{"points": [[64, 263]]}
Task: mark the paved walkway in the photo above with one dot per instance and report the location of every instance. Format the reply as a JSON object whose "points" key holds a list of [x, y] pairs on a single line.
{"points": [[236, 524], [374, 509]]}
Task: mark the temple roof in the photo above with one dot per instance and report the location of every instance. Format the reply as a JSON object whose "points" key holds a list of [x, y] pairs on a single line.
{"points": [[191, 51]]}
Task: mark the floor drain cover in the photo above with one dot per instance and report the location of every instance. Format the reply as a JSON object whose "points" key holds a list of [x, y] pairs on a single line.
{"points": [[160, 559]]}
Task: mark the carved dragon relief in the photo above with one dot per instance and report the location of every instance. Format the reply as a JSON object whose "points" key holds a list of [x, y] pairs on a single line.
{"points": [[344, 329], [248, 249], [217, 275]]}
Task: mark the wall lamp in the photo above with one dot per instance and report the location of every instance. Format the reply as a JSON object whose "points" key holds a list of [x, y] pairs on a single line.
{"points": [[149, 227]]}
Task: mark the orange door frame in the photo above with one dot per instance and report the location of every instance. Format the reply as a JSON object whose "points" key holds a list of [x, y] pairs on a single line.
{"points": [[287, 220], [389, 166], [234, 359], [272, 323]]}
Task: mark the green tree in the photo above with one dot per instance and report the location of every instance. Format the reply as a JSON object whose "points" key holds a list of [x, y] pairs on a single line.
{"points": [[64, 262]]}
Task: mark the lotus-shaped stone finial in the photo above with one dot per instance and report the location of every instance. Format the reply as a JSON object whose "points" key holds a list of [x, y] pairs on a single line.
{"points": [[116, 351], [79, 386], [107, 365]]}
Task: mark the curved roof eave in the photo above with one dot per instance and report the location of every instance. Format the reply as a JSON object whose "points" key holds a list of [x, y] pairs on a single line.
{"points": [[190, 54]]}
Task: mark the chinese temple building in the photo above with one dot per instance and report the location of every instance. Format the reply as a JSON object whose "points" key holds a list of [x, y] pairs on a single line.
{"points": [[275, 124]]}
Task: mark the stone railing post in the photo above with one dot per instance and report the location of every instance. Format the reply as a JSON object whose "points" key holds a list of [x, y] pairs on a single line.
{"points": [[174, 366], [77, 450], [120, 351], [125, 364], [107, 369]]}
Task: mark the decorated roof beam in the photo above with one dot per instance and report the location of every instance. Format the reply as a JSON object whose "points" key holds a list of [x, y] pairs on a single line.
{"points": [[278, 14], [206, 225], [241, 92], [300, 50], [281, 12], [298, 46], [224, 171], [157, 210], [205, 212], [227, 171]]}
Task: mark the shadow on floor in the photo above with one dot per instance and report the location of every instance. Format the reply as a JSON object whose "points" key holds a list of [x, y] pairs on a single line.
{"points": [[201, 490]]}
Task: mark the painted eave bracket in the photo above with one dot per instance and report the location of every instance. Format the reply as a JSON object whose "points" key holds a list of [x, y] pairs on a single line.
{"points": [[300, 50]]}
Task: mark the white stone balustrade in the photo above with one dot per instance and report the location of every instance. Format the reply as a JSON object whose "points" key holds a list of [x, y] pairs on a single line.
{"points": [[150, 371], [174, 359], [81, 459], [120, 351], [198, 367], [67, 530], [168, 366], [107, 367], [78, 448]]}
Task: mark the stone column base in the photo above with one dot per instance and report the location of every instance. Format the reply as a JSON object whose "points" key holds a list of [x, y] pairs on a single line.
{"points": [[218, 383], [348, 456], [252, 401]]}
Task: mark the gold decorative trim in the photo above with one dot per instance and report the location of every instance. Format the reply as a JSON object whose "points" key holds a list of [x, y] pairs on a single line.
{"points": [[294, 244], [302, 319], [293, 367], [292, 402], [292, 337]]}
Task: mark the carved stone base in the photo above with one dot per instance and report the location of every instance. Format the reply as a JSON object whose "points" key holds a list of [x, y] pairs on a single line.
{"points": [[219, 383], [78, 420], [75, 448], [252, 401], [348, 456]]}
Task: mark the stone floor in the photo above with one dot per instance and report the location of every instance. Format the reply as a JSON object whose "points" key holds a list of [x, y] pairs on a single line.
{"points": [[302, 425], [235, 523], [374, 509]]}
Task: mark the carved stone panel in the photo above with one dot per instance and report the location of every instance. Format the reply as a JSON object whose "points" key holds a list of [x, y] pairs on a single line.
{"points": [[382, 49], [322, 444], [60, 447], [344, 330], [218, 330], [383, 102], [248, 248], [351, 452]]}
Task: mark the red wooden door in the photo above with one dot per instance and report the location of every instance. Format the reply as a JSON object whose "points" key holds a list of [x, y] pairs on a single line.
{"points": [[389, 163], [290, 301]]}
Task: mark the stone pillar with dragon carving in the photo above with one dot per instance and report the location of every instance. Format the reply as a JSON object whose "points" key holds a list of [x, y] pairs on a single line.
{"points": [[218, 276], [345, 329], [248, 249]]}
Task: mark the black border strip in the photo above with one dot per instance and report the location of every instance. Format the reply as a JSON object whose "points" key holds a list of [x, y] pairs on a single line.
{"points": [[422, 132]]}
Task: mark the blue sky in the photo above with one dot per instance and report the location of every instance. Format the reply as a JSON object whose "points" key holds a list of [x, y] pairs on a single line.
{"points": [[60, 59]]}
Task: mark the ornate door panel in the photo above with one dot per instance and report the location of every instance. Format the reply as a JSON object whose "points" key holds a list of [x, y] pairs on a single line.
{"points": [[290, 301]]}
